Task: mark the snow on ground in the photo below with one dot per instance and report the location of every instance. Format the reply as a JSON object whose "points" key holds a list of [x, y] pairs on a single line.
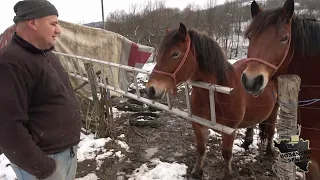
{"points": [[90, 176], [91, 148], [163, 171], [253, 147], [88, 147]]}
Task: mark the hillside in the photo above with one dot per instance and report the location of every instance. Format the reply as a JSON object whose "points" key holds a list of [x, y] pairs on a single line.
{"points": [[146, 23]]}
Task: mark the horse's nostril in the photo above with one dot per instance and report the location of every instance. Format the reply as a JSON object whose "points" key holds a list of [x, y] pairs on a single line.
{"points": [[244, 79], [152, 91], [259, 80]]}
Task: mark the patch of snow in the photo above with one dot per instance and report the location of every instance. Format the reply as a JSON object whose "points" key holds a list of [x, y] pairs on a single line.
{"points": [[88, 147], [101, 157], [90, 176], [116, 112], [162, 171], [120, 175], [122, 136], [213, 134], [124, 145], [119, 155], [238, 141]]}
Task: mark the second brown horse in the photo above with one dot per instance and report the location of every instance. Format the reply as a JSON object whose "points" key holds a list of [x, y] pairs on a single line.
{"points": [[191, 55]]}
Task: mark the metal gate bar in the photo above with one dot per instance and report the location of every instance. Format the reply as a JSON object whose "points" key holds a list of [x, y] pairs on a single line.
{"points": [[187, 115]]}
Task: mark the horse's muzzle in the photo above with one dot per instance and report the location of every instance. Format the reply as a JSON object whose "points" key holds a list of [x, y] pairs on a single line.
{"points": [[252, 85]]}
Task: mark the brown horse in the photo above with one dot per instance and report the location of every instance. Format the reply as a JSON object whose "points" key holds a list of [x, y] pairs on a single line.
{"points": [[283, 43], [191, 55]]}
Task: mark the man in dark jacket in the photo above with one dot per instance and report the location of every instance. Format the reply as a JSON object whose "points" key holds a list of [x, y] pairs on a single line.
{"points": [[40, 118]]}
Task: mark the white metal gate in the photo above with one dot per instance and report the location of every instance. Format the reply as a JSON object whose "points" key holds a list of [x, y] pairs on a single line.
{"points": [[77, 64]]}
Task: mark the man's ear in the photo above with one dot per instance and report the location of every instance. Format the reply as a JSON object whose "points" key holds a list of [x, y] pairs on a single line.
{"points": [[32, 24]]}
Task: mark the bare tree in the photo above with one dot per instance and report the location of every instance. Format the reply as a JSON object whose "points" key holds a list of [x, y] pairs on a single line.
{"points": [[145, 23]]}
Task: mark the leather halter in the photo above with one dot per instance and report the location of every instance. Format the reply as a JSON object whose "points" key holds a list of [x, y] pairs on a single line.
{"points": [[173, 75]]}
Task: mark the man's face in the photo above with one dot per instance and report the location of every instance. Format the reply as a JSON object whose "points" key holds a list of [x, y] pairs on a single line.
{"points": [[47, 29]]}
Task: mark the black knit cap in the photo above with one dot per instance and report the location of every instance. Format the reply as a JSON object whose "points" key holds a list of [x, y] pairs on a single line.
{"points": [[33, 9]]}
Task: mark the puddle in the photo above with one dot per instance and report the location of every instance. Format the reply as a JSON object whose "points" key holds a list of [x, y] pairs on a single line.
{"points": [[150, 152]]}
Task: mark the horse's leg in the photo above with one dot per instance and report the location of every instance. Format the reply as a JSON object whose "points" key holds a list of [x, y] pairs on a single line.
{"points": [[227, 144], [201, 139], [248, 138], [263, 131], [271, 123], [314, 166], [312, 136]]}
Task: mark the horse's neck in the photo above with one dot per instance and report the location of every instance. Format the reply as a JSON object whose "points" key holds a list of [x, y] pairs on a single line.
{"points": [[198, 75], [305, 68]]}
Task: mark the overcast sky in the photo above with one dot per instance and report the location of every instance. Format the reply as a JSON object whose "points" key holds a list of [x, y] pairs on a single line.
{"points": [[84, 11]]}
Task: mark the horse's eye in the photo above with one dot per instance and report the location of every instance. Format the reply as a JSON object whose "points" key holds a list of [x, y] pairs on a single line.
{"points": [[284, 39], [175, 54]]}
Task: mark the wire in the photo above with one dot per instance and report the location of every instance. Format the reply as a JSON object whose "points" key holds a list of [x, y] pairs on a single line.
{"points": [[311, 101]]}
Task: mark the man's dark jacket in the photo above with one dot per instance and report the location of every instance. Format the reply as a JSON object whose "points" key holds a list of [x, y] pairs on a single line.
{"points": [[39, 112]]}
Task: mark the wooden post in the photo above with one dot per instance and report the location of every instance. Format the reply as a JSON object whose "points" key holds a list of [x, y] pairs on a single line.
{"points": [[108, 112], [96, 101], [289, 86]]}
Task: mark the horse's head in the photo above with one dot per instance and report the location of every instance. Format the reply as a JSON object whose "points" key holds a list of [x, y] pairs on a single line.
{"points": [[269, 37], [175, 62]]}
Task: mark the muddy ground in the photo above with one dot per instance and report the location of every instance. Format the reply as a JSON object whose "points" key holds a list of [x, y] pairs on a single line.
{"points": [[173, 141]]}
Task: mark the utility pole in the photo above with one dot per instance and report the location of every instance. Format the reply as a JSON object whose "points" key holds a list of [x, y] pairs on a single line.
{"points": [[102, 9]]}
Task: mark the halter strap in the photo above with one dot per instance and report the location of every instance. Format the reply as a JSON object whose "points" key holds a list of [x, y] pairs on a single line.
{"points": [[271, 65], [173, 75]]}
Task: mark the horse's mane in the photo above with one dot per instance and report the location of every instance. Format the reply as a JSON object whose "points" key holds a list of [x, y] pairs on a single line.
{"points": [[305, 31], [210, 57]]}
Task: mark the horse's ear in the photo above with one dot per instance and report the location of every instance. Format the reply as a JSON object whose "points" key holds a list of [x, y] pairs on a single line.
{"points": [[255, 9], [288, 8], [183, 31], [167, 30]]}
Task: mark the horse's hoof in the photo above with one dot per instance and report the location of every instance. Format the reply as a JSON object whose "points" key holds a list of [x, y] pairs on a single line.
{"points": [[196, 175], [245, 145], [227, 175], [270, 153]]}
